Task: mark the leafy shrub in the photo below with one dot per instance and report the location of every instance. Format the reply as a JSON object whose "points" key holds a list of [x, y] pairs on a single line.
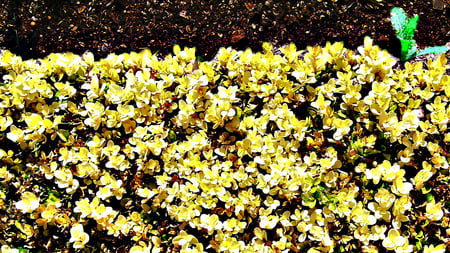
{"points": [[319, 150]]}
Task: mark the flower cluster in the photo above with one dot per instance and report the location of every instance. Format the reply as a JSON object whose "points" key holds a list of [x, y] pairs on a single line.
{"points": [[321, 150]]}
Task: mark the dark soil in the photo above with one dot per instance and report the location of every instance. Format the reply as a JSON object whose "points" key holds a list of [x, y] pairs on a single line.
{"points": [[35, 28]]}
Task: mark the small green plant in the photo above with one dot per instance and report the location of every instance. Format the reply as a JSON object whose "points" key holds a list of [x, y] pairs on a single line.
{"points": [[405, 28]]}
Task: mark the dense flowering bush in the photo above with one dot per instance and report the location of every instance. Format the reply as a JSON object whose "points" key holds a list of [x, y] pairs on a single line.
{"points": [[322, 150]]}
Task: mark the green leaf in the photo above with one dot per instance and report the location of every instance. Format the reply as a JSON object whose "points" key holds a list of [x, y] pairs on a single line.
{"points": [[165, 237], [410, 28], [172, 136], [392, 107], [63, 134], [398, 19], [22, 250], [420, 235], [430, 198], [409, 48], [404, 26], [419, 245], [434, 50], [412, 52]]}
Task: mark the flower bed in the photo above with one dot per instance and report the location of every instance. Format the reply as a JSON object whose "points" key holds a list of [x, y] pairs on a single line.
{"points": [[319, 150]]}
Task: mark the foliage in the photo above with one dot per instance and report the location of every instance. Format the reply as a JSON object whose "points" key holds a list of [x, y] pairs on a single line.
{"points": [[405, 28], [321, 150]]}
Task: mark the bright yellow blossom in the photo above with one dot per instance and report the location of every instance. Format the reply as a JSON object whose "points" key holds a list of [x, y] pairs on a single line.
{"points": [[432, 249], [434, 211], [8, 249], [394, 240], [29, 202], [79, 238]]}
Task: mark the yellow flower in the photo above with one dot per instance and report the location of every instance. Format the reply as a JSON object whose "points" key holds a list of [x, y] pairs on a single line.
{"points": [[414, 69], [29, 202], [65, 90], [437, 105], [385, 198], [234, 225], [136, 217], [389, 171], [369, 249], [185, 113], [125, 112], [16, 134], [270, 202], [379, 211], [411, 119], [187, 241], [427, 127], [334, 50], [26, 229], [268, 222], [394, 240], [101, 211], [399, 187], [434, 212], [210, 222], [121, 225], [318, 233], [5, 174], [401, 205], [316, 58], [432, 249], [282, 244], [104, 193], [342, 128], [111, 149], [5, 122], [78, 237], [93, 87], [421, 177], [156, 145], [362, 234], [118, 163], [95, 111], [290, 52], [64, 177], [139, 60], [84, 207], [141, 248], [7, 249], [145, 193], [233, 125], [183, 213], [113, 118], [35, 122], [439, 161], [138, 249], [48, 215], [231, 244], [377, 232], [320, 104], [380, 88], [63, 220], [188, 54], [86, 169], [375, 174], [362, 216]]}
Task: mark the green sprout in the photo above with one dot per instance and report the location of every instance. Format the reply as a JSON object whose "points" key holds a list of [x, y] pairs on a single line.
{"points": [[405, 28]]}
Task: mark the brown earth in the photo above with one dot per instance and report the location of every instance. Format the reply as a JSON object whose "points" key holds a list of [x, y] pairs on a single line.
{"points": [[35, 28]]}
